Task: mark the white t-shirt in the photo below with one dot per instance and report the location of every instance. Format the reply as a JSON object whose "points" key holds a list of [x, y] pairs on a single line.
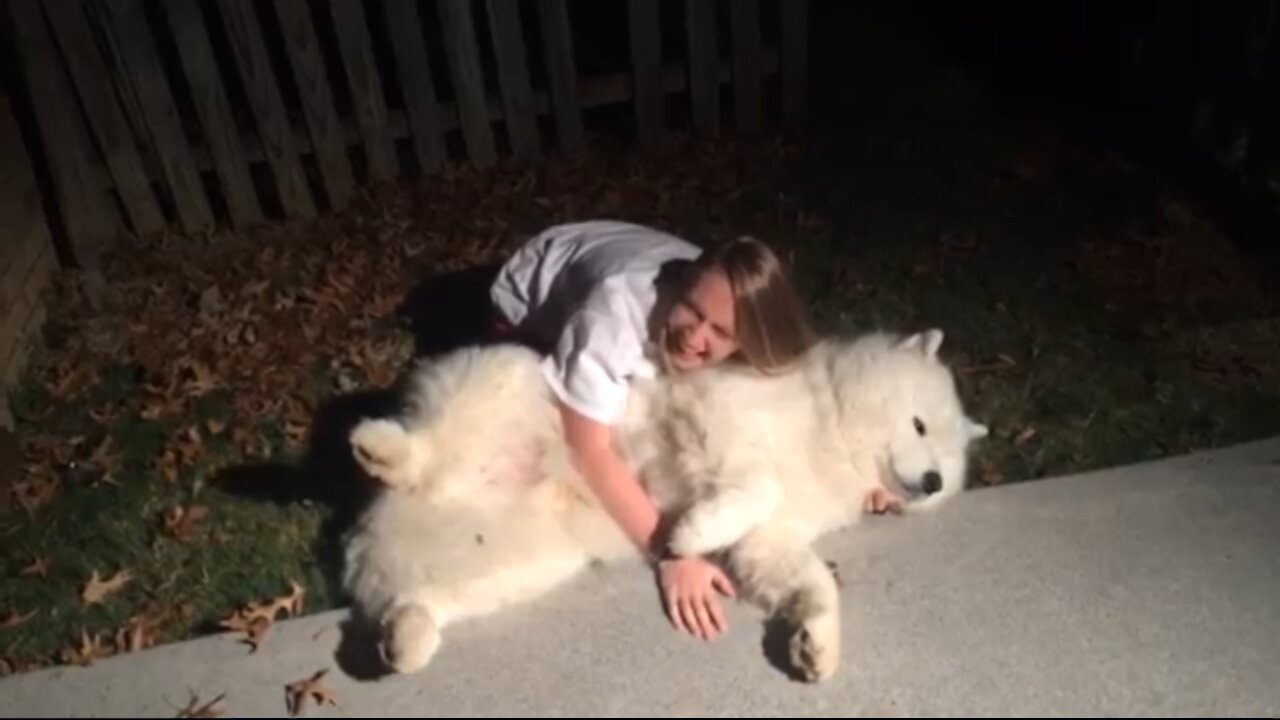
{"points": [[587, 289]]}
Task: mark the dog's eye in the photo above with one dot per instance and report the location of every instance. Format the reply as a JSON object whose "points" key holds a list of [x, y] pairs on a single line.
{"points": [[919, 426]]}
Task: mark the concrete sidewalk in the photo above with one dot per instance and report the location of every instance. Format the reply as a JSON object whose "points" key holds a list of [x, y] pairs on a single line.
{"points": [[1151, 590]]}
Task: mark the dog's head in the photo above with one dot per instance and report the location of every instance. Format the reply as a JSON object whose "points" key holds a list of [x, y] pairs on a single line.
{"points": [[922, 432]]}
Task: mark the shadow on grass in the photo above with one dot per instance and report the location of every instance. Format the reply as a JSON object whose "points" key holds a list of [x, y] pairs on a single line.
{"points": [[450, 310], [444, 312], [327, 476]]}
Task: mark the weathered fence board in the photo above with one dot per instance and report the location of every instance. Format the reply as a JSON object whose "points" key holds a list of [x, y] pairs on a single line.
{"points": [[85, 212], [520, 116], [141, 63], [646, 64], [106, 118], [421, 102], [748, 74], [366, 88], [468, 80], [267, 105], [704, 85], [221, 138], [125, 89], [317, 99], [794, 54], [562, 72], [148, 134]]}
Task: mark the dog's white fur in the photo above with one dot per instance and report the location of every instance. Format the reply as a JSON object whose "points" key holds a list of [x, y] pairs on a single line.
{"points": [[484, 508]]}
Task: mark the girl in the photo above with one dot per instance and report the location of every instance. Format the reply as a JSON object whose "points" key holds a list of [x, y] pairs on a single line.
{"points": [[608, 301]]}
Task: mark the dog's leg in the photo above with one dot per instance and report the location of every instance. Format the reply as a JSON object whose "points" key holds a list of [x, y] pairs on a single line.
{"points": [[788, 579], [717, 521], [412, 629], [414, 566]]}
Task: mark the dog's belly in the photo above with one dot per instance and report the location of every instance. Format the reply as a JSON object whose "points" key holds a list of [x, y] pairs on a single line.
{"points": [[503, 475]]}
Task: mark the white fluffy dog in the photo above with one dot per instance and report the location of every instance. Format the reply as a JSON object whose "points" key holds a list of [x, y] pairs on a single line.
{"points": [[483, 507]]}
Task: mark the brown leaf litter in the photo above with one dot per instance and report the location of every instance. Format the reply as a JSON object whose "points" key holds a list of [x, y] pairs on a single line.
{"points": [[255, 618]]}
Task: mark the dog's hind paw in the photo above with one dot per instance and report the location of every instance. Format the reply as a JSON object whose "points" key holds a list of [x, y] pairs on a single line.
{"points": [[385, 451], [410, 638]]}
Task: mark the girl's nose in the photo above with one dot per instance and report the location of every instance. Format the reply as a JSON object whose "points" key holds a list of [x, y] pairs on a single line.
{"points": [[698, 337]]}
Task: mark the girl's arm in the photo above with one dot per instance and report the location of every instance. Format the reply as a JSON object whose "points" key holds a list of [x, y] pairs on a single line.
{"points": [[689, 585]]}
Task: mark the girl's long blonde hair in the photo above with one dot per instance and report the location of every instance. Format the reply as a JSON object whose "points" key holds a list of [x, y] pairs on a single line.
{"points": [[772, 322]]}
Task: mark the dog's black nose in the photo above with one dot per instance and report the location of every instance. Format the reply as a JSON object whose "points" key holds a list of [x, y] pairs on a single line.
{"points": [[932, 482]]}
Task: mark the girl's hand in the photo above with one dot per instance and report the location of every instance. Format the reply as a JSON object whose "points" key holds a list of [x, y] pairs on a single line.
{"points": [[879, 500], [689, 587]]}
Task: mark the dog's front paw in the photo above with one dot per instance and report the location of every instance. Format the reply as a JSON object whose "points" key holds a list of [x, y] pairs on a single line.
{"points": [[815, 649], [384, 450], [689, 539]]}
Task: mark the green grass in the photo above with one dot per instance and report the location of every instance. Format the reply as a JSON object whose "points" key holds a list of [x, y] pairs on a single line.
{"points": [[243, 551]]}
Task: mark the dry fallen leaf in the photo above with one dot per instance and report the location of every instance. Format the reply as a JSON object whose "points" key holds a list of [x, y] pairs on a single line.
{"points": [[91, 648], [168, 465], [1025, 436], [143, 630], [255, 619], [70, 382], [11, 663], [254, 629], [39, 567], [97, 589], [181, 523], [990, 474], [203, 711], [13, 619], [202, 379], [296, 432], [293, 601], [297, 693], [35, 493]]}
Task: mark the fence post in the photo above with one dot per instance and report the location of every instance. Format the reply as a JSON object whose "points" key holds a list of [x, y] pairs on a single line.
{"points": [[650, 96], [468, 80], [71, 30], [226, 149], [562, 72], [88, 220], [267, 105], [794, 62]]}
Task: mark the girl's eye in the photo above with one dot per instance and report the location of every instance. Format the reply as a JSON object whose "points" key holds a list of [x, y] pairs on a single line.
{"points": [[919, 426]]}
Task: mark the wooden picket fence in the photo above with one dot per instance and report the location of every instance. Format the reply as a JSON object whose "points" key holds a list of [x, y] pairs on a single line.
{"points": [[155, 113]]}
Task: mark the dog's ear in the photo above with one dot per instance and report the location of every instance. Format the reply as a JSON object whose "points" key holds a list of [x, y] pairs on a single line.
{"points": [[976, 429], [926, 342]]}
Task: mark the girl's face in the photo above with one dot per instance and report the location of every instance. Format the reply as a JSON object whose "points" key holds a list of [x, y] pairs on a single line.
{"points": [[701, 326]]}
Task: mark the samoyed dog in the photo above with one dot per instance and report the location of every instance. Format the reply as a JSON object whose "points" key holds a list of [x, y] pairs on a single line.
{"points": [[482, 507]]}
